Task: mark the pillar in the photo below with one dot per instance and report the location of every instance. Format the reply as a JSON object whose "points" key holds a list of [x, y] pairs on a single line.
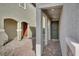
{"points": [[46, 30], [39, 40], [49, 29], [19, 30], [2, 25]]}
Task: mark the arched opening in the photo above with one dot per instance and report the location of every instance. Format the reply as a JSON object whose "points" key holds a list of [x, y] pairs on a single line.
{"points": [[10, 26], [25, 30]]}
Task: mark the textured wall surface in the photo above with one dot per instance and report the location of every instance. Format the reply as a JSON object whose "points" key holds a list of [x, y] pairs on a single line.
{"points": [[69, 24], [13, 11], [17, 13]]}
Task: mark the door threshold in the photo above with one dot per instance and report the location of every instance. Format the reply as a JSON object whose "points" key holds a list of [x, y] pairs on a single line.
{"points": [[55, 40]]}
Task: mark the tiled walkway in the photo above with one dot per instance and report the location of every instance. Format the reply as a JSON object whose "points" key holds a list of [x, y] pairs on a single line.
{"points": [[52, 49], [18, 48]]}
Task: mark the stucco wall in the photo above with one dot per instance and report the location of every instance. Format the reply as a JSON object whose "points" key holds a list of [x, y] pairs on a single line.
{"points": [[69, 24], [77, 21], [17, 13]]}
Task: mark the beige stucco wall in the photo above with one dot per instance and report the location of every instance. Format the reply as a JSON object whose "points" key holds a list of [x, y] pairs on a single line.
{"points": [[17, 13], [69, 25]]}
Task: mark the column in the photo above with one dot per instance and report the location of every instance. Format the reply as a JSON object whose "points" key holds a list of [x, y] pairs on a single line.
{"points": [[39, 40], [49, 29], [19, 30], [2, 25], [46, 30]]}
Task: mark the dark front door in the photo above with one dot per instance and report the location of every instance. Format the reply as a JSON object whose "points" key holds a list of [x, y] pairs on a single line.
{"points": [[55, 29]]}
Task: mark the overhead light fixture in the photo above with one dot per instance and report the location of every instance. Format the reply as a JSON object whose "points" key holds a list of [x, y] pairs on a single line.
{"points": [[23, 5], [53, 9]]}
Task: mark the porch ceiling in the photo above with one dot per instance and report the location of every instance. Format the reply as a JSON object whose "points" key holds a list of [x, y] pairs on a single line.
{"points": [[53, 12]]}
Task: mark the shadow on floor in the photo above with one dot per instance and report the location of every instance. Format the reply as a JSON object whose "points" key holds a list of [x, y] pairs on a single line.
{"points": [[33, 44]]}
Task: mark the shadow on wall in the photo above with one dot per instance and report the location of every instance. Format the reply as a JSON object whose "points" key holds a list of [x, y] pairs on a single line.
{"points": [[10, 26], [33, 30]]}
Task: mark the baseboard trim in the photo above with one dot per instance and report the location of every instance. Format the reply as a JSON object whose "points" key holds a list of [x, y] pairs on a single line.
{"points": [[38, 50]]}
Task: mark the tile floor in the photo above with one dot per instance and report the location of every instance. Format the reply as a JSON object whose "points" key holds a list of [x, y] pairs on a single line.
{"points": [[52, 49], [18, 48]]}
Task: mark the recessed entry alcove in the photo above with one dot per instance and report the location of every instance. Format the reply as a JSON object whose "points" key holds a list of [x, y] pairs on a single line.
{"points": [[25, 29], [10, 26]]}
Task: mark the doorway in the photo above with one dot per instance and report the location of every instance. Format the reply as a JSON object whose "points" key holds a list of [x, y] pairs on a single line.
{"points": [[55, 30], [53, 44], [25, 29]]}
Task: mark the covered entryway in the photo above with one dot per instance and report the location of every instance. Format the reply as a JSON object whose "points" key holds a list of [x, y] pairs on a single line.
{"points": [[18, 44], [52, 14], [10, 26], [52, 46]]}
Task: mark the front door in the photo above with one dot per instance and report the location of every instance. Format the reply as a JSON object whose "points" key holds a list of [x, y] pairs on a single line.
{"points": [[55, 29]]}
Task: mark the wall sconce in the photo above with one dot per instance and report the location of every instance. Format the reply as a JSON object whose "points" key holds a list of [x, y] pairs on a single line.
{"points": [[23, 5]]}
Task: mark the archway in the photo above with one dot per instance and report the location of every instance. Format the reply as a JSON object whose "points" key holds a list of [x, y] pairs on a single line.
{"points": [[10, 26], [25, 30]]}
